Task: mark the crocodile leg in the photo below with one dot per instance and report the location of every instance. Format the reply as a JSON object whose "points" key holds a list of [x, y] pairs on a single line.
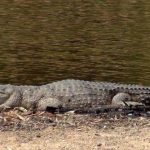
{"points": [[46, 103], [124, 99], [13, 101]]}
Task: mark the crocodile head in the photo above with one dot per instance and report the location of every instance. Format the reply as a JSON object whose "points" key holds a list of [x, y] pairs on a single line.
{"points": [[5, 92]]}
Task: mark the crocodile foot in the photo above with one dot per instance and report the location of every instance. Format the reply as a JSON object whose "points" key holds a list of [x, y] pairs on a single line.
{"points": [[3, 107]]}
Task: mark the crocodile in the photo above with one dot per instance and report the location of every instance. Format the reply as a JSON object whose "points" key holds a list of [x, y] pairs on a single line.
{"points": [[72, 94]]}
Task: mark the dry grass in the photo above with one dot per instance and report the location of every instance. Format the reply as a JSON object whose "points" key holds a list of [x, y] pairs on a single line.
{"points": [[45, 131]]}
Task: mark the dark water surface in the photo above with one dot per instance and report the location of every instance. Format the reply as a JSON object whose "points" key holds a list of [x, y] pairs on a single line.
{"points": [[46, 40]]}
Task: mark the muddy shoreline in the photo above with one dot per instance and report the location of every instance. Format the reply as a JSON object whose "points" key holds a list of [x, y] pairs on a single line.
{"points": [[44, 130]]}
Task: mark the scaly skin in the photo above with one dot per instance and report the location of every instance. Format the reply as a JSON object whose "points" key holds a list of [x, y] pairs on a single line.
{"points": [[72, 94]]}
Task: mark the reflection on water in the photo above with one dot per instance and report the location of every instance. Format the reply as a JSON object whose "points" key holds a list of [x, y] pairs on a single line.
{"points": [[46, 40]]}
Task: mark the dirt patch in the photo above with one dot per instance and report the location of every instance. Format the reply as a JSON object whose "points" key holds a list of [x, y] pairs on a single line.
{"points": [[44, 131]]}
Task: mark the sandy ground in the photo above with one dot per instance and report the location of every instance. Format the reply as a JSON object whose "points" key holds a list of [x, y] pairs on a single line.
{"points": [[75, 132]]}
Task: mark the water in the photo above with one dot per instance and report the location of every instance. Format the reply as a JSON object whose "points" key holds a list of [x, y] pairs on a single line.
{"points": [[47, 40]]}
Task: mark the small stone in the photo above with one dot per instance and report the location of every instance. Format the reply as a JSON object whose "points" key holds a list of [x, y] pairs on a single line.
{"points": [[38, 135], [100, 144]]}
